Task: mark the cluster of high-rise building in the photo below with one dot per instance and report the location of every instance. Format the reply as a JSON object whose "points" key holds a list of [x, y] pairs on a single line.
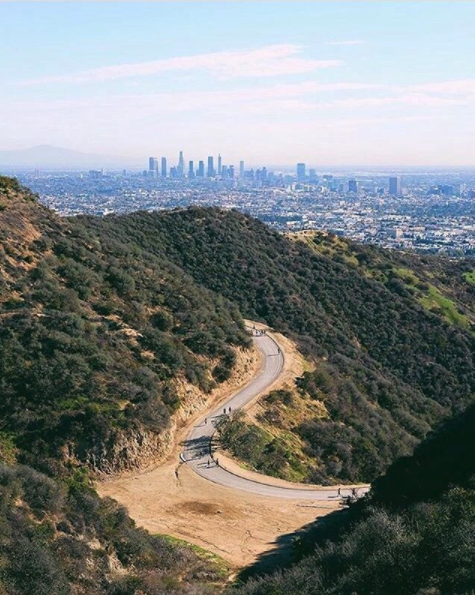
{"points": [[201, 170], [261, 177], [435, 211], [395, 188]]}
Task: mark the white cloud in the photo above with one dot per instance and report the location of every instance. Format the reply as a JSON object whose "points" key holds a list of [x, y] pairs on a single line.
{"points": [[306, 96], [272, 60], [457, 87], [347, 42], [261, 98], [415, 100]]}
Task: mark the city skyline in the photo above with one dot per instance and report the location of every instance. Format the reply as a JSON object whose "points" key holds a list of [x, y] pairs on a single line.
{"points": [[332, 83], [262, 175]]}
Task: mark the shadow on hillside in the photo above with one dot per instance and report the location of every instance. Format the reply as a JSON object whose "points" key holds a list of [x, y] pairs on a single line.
{"points": [[291, 547]]}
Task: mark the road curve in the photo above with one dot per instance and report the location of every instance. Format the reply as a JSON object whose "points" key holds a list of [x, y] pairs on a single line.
{"points": [[197, 451]]}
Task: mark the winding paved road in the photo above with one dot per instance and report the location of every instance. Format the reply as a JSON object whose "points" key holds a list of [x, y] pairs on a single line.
{"points": [[198, 445]]}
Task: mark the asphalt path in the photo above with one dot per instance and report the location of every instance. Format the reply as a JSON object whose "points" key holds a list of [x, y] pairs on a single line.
{"points": [[199, 448]]}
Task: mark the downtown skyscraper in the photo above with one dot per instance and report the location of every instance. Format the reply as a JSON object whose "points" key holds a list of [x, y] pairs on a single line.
{"points": [[181, 165], [395, 186], [210, 173], [301, 172], [153, 166]]}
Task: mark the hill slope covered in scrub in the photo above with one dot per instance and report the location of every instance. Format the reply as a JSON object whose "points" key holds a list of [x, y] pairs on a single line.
{"points": [[95, 332], [414, 535], [59, 538], [390, 334]]}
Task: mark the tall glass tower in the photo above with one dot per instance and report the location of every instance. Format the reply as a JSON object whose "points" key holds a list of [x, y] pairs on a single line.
{"points": [[181, 165], [210, 172]]}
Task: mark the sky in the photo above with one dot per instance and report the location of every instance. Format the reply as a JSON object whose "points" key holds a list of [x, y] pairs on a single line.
{"points": [[327, 83]]}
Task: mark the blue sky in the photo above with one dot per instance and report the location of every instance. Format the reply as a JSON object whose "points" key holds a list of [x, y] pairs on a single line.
{"points": [[341, 83]]}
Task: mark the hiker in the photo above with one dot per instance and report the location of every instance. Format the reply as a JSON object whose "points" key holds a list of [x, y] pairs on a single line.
{"points": [[206, 420], [229, 410], [209, 462], [217, 462], [224, 410], [339, 491]]}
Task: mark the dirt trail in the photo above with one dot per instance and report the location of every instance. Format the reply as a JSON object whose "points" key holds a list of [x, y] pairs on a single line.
{"points": [[236, 525]]}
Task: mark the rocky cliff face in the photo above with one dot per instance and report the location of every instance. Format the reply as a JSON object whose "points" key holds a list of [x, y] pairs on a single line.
{"points": [[131, 451]]}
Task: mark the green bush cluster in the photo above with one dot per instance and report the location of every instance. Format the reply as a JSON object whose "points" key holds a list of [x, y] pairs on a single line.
{"points": [[262, 451]]}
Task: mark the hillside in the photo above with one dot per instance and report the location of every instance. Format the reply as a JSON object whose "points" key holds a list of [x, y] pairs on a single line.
{"points": [[105, 320], [59, 538], [413, 536], [390, 335], [97, 337]]}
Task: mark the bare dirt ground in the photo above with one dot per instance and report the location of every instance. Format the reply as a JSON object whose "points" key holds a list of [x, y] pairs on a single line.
{"points": [[236, 525]]}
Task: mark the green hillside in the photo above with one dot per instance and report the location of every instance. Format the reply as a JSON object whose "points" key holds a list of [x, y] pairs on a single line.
{"points": [[390, 334], [94, 334], [414, 535]]}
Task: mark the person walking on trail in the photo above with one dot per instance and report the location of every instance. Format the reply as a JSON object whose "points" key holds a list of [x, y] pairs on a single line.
{"points": [[217, 462], [224, 410], [209, 462], [339, 491], [206, 420], [229, 409]]}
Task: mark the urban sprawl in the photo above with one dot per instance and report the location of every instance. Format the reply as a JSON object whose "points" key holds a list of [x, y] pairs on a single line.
{"points": [[426, 210]]}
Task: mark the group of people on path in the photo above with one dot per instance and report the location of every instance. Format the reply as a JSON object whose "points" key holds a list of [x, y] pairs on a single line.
{"points": [[261, 333], [225, 412], [258, 332], [354, 492]]}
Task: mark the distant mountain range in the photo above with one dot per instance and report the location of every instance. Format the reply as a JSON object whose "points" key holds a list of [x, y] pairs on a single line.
{"points": [[49, 157]]}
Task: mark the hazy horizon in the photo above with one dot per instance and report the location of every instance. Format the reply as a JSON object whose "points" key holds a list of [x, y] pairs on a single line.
{"points": [[348, 84], [114, 163]]}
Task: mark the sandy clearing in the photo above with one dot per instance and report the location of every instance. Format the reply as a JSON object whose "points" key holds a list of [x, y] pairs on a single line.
{"points": [[235, 525]]}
